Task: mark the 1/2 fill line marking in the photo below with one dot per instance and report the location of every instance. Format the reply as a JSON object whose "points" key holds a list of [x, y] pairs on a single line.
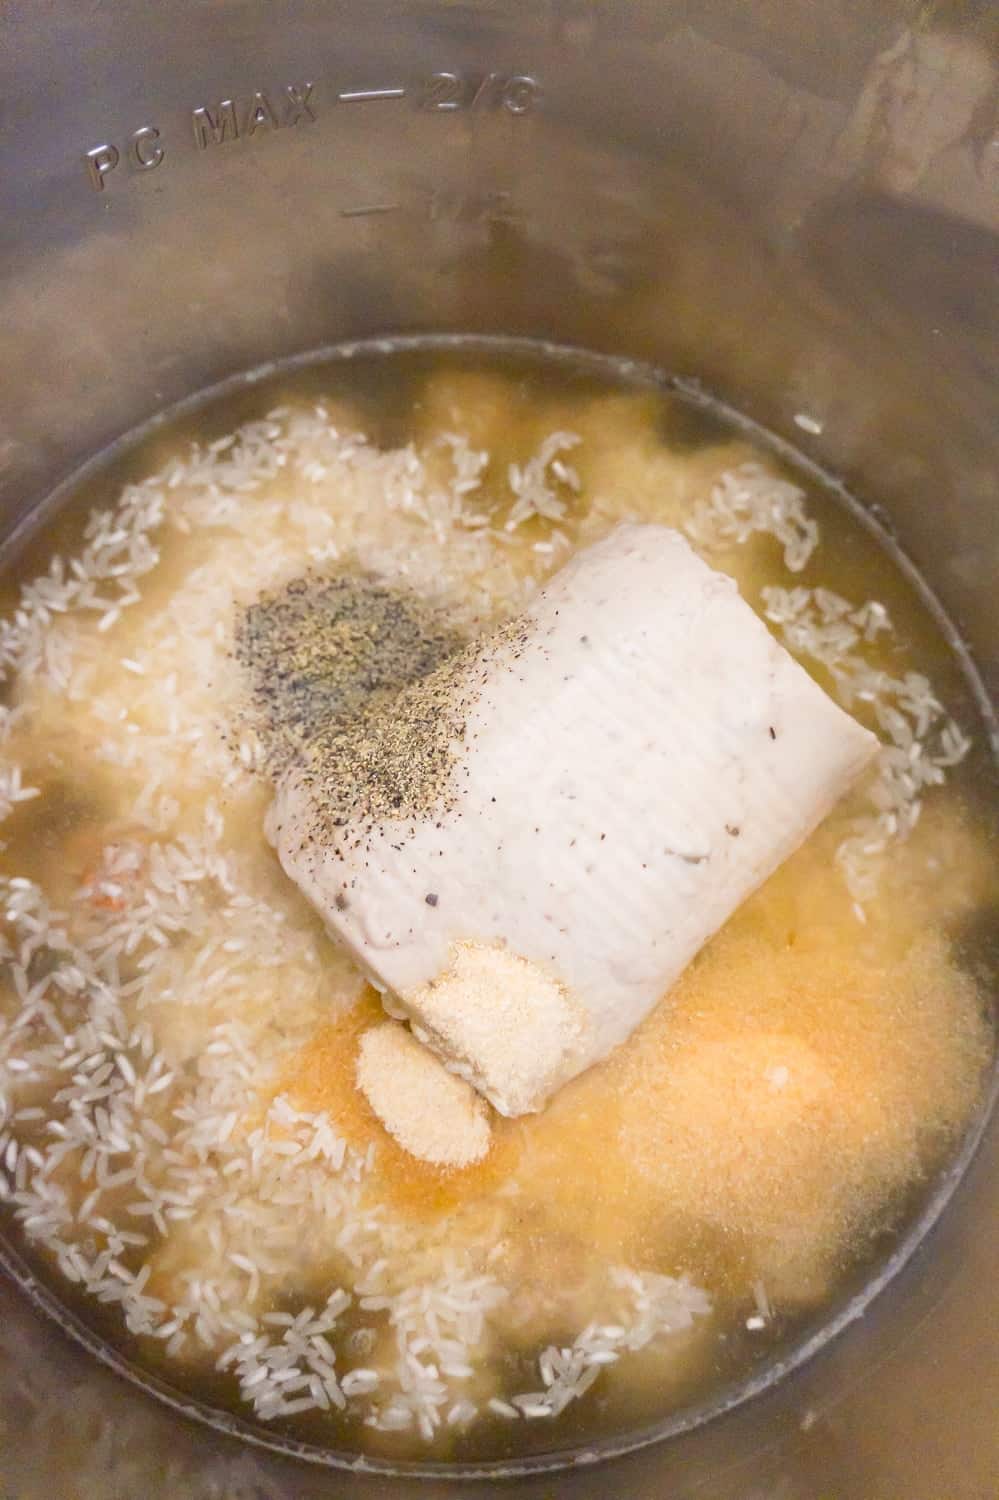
{"points": [[370, 208]]}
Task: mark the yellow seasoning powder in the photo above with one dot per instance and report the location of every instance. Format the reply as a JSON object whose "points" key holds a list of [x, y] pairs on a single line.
{"points": [[432, 1114]]}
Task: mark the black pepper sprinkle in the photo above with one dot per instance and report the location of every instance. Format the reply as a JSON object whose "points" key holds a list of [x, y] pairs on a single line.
{"points": [[431, 899], [363, 689], [773, 732]]}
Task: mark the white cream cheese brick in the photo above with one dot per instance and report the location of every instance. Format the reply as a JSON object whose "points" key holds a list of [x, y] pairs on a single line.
{"points": [[637, 757]]}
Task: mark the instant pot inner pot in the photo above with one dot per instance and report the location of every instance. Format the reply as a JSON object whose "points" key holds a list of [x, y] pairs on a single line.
{"points": [[794, 211]]}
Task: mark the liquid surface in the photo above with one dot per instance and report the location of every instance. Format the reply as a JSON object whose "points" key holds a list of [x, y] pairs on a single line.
{"points": [[182, 1140]]}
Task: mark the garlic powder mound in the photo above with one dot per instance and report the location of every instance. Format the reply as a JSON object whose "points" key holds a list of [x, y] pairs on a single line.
{"points": [[433, 1115], [502, 1022]]}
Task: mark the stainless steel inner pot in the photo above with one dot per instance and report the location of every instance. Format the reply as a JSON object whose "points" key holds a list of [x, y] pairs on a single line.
{"points": [[795, 205]]}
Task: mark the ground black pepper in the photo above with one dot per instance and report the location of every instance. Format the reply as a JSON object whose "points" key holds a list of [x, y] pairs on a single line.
{"points": [[363, 689]]}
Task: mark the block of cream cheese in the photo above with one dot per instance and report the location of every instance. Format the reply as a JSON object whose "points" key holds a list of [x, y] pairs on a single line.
{"points": [[631, 769]]}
